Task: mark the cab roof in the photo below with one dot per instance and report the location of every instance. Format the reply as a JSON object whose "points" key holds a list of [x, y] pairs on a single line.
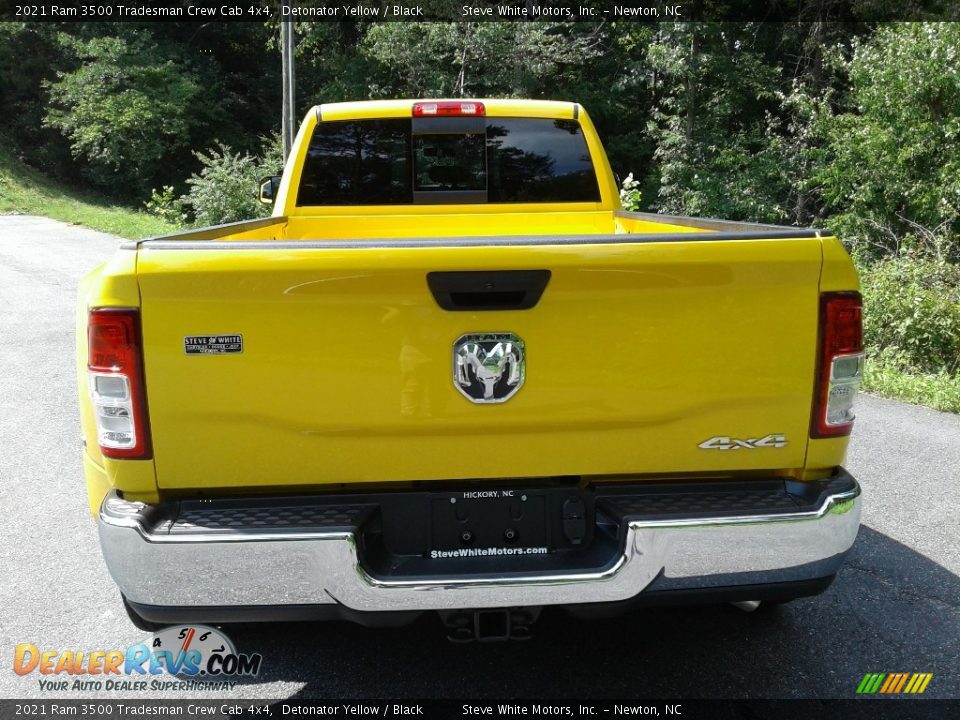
{"points": [[495, 107]]}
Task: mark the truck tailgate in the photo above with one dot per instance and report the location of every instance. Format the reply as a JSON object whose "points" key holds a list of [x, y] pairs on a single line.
{"points": [[636, 355]]}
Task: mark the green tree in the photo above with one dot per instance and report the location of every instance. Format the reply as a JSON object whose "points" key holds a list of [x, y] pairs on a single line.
{"points": [[888, 163], [28, 54], [715, 94], [330, 67], [125, 109], [473, 58]]}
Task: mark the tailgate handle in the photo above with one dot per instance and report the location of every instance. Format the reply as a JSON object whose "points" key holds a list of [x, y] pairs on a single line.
{"points": [[488, 289]]}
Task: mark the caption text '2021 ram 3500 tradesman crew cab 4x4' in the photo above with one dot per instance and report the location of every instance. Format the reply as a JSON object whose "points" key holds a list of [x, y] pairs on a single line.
{"points": [[450, 373]]}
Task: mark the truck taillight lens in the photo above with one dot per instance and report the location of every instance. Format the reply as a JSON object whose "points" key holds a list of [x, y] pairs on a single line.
{"points": [[449, 109], [840, 364], [115, 379]]}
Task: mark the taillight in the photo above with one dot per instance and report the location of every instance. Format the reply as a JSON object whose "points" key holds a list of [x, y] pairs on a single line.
{"points": [[115, 379], [839, 364], [449, 108]]}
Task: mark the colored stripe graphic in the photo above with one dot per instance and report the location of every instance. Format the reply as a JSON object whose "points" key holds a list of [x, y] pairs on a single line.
{"points": [[919, 683], [903, 680], [871, 683], [894, 683]]}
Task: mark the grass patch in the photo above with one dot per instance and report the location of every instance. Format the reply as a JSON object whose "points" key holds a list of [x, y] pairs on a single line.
{"points": [[24, 191], [939, 391]]}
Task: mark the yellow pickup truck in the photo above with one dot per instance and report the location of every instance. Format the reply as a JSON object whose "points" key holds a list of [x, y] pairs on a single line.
{"points": [[451, 374]]}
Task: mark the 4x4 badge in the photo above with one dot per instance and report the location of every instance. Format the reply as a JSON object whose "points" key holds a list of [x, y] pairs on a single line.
{"points": [[728, 443], [488, 367]]}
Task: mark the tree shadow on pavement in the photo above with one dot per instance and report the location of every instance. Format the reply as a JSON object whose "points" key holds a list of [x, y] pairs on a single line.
{"points": [[890, 610]]}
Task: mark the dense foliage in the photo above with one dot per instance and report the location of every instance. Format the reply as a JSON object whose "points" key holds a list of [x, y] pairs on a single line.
{"points": [[224, 190], [889, 176], [125, 109], [914, 313], [850, 126]]}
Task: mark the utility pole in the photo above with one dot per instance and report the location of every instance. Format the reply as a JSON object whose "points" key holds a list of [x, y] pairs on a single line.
{"points": [[287, 43]]}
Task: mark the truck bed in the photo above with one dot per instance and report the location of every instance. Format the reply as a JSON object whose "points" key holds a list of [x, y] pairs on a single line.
{"points": [[559, 226]]}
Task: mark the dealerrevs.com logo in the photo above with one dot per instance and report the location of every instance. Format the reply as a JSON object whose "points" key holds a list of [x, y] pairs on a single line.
{"points": [[180, 657]]}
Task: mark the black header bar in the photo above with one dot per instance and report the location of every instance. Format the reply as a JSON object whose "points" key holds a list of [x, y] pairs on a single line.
{"points": [[644, 11]]}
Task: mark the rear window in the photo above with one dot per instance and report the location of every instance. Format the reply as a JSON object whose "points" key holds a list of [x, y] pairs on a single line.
{"points": [[408, 161]]}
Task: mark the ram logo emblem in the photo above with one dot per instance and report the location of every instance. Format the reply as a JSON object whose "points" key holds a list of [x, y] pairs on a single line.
{"points": [[488, 367]]}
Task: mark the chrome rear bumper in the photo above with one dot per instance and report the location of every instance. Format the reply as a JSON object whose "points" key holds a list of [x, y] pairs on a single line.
{"points": [[157, 564]]}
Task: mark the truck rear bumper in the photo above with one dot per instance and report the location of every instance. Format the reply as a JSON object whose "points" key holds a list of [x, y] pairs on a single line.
{"points": [[672, 538]]}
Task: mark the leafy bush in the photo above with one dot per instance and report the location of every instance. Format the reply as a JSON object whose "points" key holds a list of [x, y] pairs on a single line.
{"points": [[225, 189], [912, 314], [167, 206], [270, 159], [630, 193]]}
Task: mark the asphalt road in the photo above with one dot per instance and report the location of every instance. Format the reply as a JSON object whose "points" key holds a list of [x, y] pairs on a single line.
{"points": [[894, 608]]}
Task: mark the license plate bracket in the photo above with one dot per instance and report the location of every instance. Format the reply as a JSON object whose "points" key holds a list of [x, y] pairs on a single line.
{"points": [[489, 519]]}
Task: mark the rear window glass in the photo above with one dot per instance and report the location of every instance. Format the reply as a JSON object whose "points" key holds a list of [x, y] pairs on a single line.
{"points": [[449, 162], [463, 160], [358, 163]]}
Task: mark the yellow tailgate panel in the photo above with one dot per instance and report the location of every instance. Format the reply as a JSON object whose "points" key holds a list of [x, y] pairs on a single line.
{"points": [[636, 354]]}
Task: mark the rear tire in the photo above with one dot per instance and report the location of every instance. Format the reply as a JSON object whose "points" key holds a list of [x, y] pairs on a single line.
{"points": [[139, 622]]}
